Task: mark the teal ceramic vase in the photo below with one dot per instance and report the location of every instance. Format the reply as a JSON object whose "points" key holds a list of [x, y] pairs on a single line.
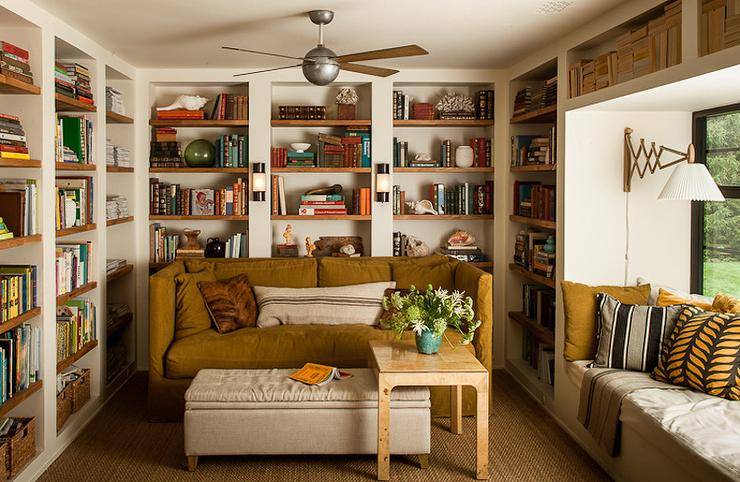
{"points": [[427, 343], [200, 153], [549, 245]]}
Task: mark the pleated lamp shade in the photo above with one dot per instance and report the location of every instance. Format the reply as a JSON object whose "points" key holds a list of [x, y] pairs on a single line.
{"points": [[691, 182]]}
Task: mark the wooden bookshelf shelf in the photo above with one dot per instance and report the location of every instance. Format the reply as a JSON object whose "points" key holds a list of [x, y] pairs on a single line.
{"points": [[534, 277], [19, 241], [445, 170], [76, 230], [119, 273], [442, 217], [443, 123], [538, 223], [535, 168], [9, 85], [20, 163], [114, 222], [161, 217], [321, 123], [19, 397], [118, 324], [119, 169], [544, 335], [198, 123], [63, 298], [20, 319], [115, 118], [74, 166], [72, 359], [68, 104], [323, 217], [357, 170], [546, 115], [235, 170]]}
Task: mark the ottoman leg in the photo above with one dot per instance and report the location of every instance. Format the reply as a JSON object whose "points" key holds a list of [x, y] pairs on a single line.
{"points": [[424, 461], [192, 463]]}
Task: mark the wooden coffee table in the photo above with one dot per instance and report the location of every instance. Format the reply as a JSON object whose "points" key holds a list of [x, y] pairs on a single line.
{"points": [[399, 364]]}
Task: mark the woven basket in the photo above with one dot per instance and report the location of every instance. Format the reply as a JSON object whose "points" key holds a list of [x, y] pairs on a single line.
{"points": [[81, 391], [64, 406], [4, 461], [20, 447]]}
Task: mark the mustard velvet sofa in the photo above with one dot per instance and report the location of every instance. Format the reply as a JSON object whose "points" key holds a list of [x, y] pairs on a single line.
{"points": [[175, 360]]}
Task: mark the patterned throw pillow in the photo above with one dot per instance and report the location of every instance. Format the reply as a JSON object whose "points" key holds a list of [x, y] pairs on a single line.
{"points": [[230, 303], [703, 353], [631, 337]]}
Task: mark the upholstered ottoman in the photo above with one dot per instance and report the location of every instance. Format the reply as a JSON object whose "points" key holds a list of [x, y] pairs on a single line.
{"points": [[242, 412]]}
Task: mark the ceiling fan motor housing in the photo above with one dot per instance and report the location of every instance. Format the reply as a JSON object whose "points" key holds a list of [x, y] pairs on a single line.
{"points": [[324, 69]]}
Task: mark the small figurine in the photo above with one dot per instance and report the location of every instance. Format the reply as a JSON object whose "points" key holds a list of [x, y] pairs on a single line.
{"points": [[288, 234], [5, 233], [310, 247], [347, 250], [191, 238]]}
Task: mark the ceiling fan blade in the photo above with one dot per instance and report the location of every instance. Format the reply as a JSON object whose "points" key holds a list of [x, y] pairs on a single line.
{"points": [[266, 53], [267, 70], [367, 69], [393, 52]]}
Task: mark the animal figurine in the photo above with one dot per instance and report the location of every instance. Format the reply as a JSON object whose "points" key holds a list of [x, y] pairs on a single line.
{"points": [[423, 156], [288, 234], [461, 238], [347, 249], [310, 247], [188, 102], [421, 207], [335, 189], [415, 247]]}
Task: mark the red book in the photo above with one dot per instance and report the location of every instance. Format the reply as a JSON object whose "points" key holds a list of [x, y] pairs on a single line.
{"points": [[85, 100], [180, 114], [10, 117], [18, 149], [352, 140], [15, 50], [322, 203]]}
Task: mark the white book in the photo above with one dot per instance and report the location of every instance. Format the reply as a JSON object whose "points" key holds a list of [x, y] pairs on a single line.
{"points": [[281, 194]]}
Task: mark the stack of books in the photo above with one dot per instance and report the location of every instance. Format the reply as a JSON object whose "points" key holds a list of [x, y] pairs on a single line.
{"points": [[546, 364], [230, 107], [300, 159], [463, 253], [18, 200], [350, 150], [532, 150], [484, 104], [523, 101], [165, 154], [113, 264], [77, 192], [73, 261], [18, 290], [423, 111], [175, 200], [116, 207], [63, 83], [12, 138], [116, 311], [14, 62], [73, 80], [524, 247], [165, 134], [117, 155], [114, 101], [287, 250], [181, 114], [76, 322], [20, 360], [543, 263], [534, 200], [232, 151], [74, 139], [162, 246], [322, 205]]}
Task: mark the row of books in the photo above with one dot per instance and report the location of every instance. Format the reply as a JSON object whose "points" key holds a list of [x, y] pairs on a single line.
{"points": [[73, 80], [462, 199], [162, 245], [73, 265], [18, 201], [301, 112], [181, 114], [76, 326], [175, 200], [165, 153], [404, 108], [534, 149], [282, 157], [74, 139], [538, 304], [349, 150], [114, 264], [530, 253], [720, 25], [232, 151], [530, 99], [74, 201], [471, 253], [534, 200], [15, 62], [20, 360], [230, 107], [481, 154], [12, 138], [236, 246], [18, 285], [540, 357]]}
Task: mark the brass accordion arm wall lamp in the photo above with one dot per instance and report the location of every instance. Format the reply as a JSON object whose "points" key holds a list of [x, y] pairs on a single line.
{"points": [[690, 181]]}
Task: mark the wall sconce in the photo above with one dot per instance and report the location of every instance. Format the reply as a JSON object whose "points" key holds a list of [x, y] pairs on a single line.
{"points": [[382, 183], [688, 182], [259, 181]]}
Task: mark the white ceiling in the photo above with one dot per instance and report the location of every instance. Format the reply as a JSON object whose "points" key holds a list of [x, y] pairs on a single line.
{"points": [[461, 34]]}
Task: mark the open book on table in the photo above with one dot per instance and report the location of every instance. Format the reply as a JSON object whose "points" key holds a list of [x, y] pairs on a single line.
{"points": [[315, 374]]}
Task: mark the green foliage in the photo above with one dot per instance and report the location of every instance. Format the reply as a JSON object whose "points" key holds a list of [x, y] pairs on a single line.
{"points": [[722, 277], [432, 310]]}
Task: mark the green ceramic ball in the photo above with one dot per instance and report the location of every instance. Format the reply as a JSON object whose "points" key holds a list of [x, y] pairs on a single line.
{"points": [[200, 153]]}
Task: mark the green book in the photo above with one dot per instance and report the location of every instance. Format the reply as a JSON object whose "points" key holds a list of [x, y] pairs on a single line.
{"points": [[72, 135]]}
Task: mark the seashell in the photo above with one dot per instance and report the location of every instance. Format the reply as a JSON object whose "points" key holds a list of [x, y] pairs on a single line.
{"points": [[347, 96], [421, 207], [347, 249], [189, 102], [461, 238], [423, 156], [415, 247]]}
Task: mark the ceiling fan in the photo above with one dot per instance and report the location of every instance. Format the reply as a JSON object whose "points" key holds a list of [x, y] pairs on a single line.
{"points": [[321, 65]]}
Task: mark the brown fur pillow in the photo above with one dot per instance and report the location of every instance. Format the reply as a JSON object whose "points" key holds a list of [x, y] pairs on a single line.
{"points": [[230, 303]]}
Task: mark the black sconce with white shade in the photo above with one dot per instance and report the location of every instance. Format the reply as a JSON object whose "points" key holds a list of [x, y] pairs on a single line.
{"points": [[259, 181], [382, 183]]}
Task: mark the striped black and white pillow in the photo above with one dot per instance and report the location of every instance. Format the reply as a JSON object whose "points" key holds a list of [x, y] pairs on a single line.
{"points": [[632, 337], [341, 305]]}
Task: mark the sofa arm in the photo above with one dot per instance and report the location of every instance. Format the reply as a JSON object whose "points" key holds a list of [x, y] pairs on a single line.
{"points": [[478, 284], [162, 315]]}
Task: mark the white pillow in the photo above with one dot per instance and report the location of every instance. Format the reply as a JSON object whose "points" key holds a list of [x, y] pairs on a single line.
{"points": [[341, 305], [655, 289]]}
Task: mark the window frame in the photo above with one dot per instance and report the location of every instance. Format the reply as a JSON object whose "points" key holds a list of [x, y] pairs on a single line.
{"points": [[699, 135]]}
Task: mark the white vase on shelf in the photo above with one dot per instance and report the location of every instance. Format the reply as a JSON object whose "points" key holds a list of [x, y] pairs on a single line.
{"points": [[464, 156]]}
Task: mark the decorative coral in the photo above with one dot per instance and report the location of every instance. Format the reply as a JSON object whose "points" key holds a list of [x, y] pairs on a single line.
{"points": [[347, 96], [452, 102]]}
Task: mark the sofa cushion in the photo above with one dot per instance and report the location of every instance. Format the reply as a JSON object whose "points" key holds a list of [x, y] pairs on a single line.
{"points": [[412, 274], [726, 304], [191, 313], [230, 303], [579, 302], [352, 271], [669, 298], [283, 272]]}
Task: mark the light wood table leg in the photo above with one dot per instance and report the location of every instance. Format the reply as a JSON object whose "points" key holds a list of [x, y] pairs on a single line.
{"points": [[192, 463], [481, 428], [456, 409], [424, 461], [384, 430]]}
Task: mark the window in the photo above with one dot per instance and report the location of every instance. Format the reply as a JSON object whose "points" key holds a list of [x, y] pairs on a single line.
{"points": [[716, 225]]}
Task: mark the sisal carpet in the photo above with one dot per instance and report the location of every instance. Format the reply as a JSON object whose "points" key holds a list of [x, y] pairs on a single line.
{"points": [[525, 445]]}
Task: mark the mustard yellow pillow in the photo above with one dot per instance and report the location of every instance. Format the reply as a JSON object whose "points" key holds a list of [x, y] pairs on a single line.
{"points": [[725, 304], [191, 313], [439, 276], [666, 298], [579, 302], [352, 271]]}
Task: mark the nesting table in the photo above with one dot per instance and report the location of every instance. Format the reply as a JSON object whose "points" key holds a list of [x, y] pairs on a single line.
{"points": [[398, 363]]}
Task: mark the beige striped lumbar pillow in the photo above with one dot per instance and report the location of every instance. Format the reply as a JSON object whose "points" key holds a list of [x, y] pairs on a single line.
{"points": [[341, 305]]}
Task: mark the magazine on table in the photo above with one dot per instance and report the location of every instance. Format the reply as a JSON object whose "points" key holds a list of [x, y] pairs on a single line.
{"points": [[319, 375]]}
